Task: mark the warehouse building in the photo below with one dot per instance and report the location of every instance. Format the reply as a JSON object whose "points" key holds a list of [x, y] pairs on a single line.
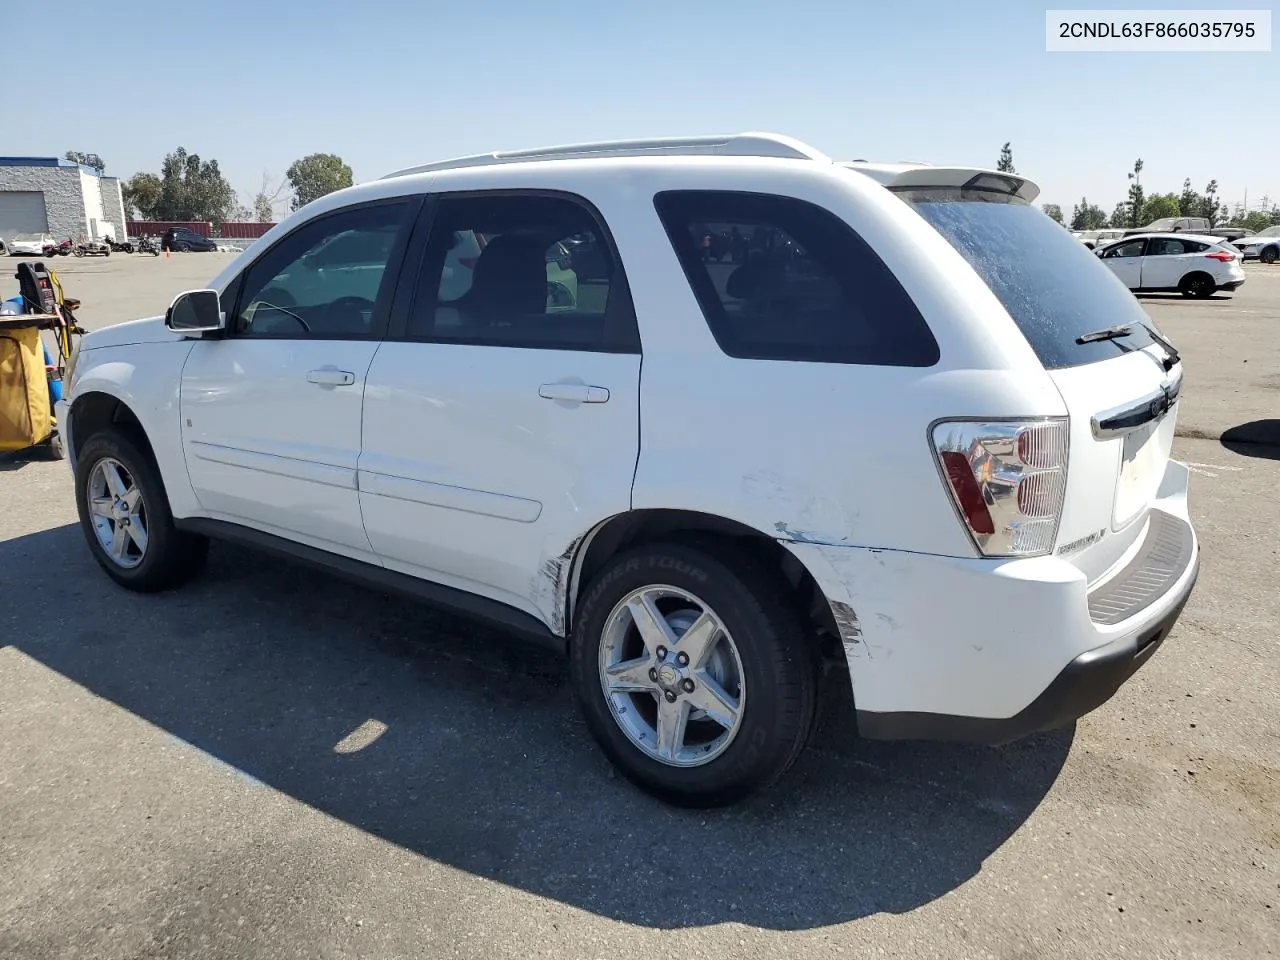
{"points": [[40, 195]]}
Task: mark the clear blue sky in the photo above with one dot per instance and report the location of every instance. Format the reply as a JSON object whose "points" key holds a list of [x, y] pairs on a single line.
{"points": [[388, 84]]}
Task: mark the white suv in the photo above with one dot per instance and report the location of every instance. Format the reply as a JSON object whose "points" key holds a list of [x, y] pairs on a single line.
{"points": [[887, 415]]}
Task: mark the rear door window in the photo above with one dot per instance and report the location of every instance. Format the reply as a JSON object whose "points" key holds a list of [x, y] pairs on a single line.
{"points": [[1174, 247], [1052, 286], [778, 278]]}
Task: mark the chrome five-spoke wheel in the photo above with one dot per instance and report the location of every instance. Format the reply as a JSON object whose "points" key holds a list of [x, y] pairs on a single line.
{"points": [[118, 512], [672, 676]]}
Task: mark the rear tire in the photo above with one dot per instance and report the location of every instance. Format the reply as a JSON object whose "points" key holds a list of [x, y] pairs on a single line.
{"points": [[1270, 255], [118, 493], [757, 673], [1198, 285]]}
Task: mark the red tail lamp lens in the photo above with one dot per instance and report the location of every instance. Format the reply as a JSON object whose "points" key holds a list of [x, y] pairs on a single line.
{"points": [[967, 493]]}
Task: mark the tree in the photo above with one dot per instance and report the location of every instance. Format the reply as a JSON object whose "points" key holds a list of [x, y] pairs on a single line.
{"points": [[1120, 216], [1253, 222], [1209, 204], [193, 189], [316, 175], [1190, 203], [142, 195], [1053, 211], [265, 200], [262, 211], [1005, 163], [1136, 196], [1087, 216], [90, 160], [1160, 205]]}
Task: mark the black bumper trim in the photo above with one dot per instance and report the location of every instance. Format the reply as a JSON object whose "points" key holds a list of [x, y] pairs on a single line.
{"points": [[1084, 684]]}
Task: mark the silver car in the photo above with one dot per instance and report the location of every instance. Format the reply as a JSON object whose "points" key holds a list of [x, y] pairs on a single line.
{"points": [[1263, 245]]}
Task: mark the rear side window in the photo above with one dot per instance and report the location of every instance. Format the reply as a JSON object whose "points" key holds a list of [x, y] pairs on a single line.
{"points": [[1174, 247], [781, 279], [1052, 286]]}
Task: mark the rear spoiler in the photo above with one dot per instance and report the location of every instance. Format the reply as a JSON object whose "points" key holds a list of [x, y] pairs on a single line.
{"points": [[905, 176]]}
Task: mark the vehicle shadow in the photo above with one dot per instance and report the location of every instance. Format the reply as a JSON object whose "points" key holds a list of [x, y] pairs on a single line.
{"points": [[484, 763], [16, 460], [1257, 438], [1179, 298]]}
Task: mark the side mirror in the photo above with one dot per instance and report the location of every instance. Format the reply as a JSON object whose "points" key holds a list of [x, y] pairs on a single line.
{"points": [[196, 311]]}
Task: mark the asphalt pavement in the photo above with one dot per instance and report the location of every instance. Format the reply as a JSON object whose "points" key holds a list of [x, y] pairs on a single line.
{"points": [[274, 764]]}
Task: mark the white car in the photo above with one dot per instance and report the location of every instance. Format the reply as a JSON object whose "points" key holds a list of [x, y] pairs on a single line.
{"points": [[1095, 238], [1263, 245], [1188, 263], [29, 244], [884, 430]]}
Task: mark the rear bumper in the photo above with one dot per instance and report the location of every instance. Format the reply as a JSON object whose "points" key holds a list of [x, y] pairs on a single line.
{"points": [[1232, 284], [944, 648], [1083, 685]]}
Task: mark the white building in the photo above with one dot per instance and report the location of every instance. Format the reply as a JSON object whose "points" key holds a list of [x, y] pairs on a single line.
{"points": [[46, 195]]}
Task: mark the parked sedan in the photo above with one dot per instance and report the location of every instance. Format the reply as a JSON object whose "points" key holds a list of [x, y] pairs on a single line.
{"points": [[29, 244], [1263, 245], [1191, 264]]}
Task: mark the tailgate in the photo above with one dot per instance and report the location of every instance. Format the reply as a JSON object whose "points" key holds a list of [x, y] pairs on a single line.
{"points": [[1123, 415]]}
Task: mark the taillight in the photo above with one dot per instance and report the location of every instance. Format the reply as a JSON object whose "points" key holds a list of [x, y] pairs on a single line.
{"points": [[1221, 256], [1007, 479]]}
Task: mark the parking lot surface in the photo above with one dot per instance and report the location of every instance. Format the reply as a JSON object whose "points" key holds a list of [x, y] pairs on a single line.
{"points": [[274, 764]]}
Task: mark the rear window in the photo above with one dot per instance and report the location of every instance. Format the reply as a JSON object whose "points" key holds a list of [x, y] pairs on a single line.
{"points": [[1054, 288]]}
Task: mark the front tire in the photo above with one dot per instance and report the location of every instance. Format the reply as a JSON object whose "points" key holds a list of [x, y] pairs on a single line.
{"points": [[125, 518], [696, 675], [1270, 255]]}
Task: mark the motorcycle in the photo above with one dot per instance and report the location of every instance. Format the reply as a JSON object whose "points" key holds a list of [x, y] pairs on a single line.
{"points": [[120, 246], [92, 248], [148, 245], [62, 249]]}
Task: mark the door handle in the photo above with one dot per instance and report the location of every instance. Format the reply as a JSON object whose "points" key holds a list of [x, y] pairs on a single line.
{"points": [[574, 392], [331, 377]]}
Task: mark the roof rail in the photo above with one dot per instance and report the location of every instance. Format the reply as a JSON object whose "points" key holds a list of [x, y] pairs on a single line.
{"points": [[729, 145]]}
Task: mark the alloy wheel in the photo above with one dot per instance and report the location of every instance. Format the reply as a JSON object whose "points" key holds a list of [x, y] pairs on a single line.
{"points": [[672, 676], [118, 513]]}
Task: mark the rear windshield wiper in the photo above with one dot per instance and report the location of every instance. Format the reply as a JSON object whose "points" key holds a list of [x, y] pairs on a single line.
{"points": [[1106, 333], [1126, 330]]}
